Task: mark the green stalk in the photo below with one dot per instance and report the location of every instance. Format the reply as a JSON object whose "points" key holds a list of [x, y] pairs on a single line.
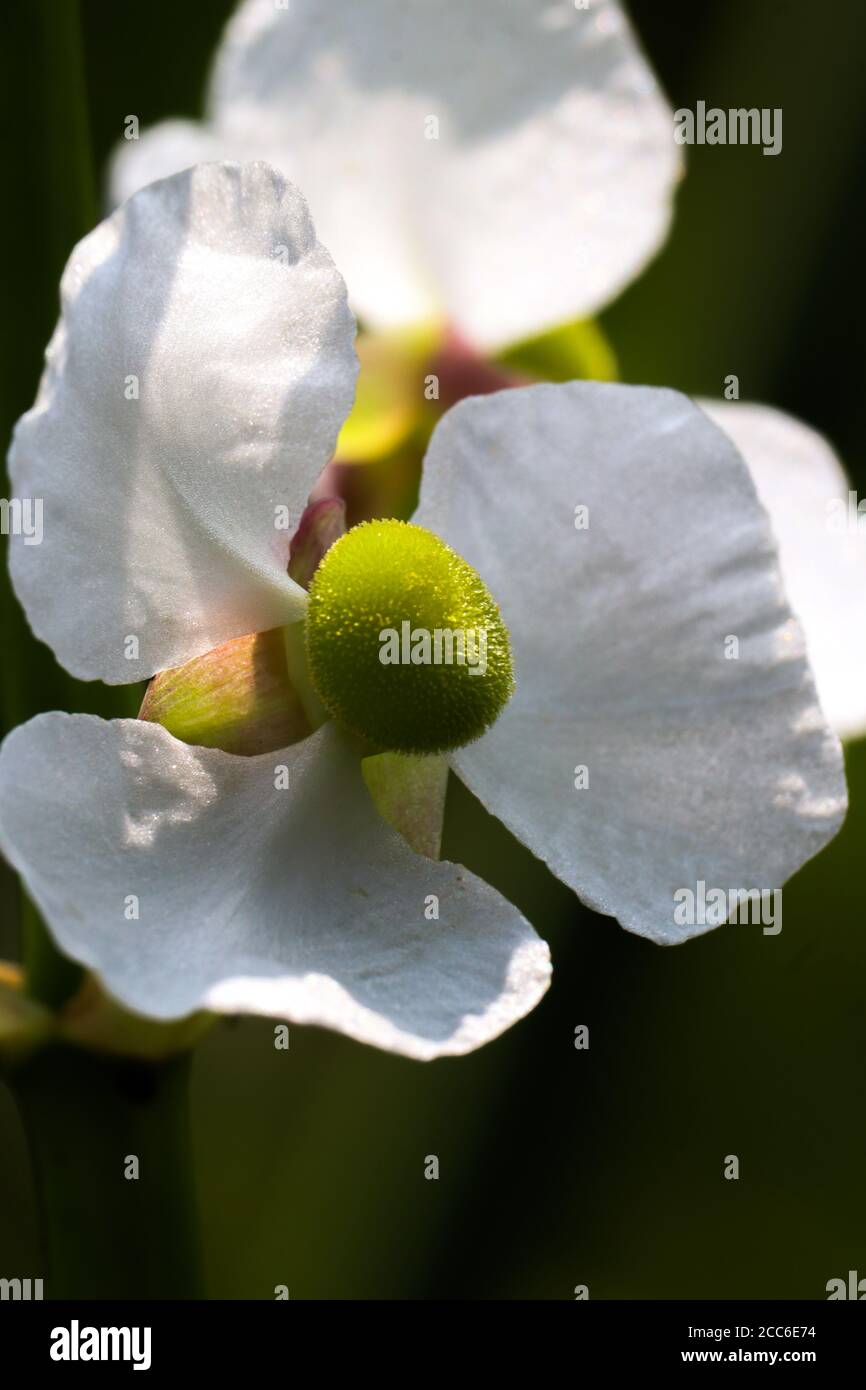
{"points": [[49, 976], [42, 81], [105, 1234]]}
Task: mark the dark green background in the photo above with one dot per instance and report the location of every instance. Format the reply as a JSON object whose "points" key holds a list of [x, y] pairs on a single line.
{"points": [[558, 1167]]}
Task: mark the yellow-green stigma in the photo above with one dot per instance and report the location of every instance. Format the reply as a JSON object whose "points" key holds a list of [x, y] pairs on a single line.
{"points": [[405, 644]]}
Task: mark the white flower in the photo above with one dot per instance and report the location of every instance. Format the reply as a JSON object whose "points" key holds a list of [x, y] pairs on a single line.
{"points": [[507, 165], [187, 877], [547, 189]]}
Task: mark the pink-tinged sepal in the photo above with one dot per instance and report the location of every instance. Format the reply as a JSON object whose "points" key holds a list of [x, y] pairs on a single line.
{"points": [[323, 522], [238, 698]]}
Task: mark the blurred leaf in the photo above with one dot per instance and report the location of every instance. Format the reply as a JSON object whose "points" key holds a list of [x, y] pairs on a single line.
{"points": [[24, 1024], [764, 259]]}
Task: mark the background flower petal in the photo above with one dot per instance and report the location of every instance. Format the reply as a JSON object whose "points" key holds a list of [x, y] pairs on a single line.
{"points": [[506, 163], [193, 390], [163, 150], [822, 546], [699, 767], [251, 896]]}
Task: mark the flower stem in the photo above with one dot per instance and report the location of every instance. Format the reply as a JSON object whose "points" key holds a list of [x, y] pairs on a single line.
{"points": [[49, 976], [105, 1235], [111, 1150], [52, 172]]}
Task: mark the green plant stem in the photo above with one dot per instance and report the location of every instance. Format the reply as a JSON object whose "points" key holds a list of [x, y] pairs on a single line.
{"points": [[45, 102], [49, 976], [106, 1234]]}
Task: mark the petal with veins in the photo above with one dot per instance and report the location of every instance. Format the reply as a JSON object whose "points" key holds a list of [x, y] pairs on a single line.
{"points": [[700, 767], [193, 390], [298, 902]]}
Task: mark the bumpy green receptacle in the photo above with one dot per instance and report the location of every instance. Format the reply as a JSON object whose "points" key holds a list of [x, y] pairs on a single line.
{"points": [[377, 602]]}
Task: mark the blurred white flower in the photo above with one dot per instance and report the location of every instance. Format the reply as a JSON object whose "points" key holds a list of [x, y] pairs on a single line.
{"points": [[506, 165], [822, 547]]}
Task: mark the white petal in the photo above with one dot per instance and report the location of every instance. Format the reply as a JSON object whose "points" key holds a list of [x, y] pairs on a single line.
{"points": [[209, 295], [700, 767], [822, 546], [548, 184], [166, 149], [300, 904]]}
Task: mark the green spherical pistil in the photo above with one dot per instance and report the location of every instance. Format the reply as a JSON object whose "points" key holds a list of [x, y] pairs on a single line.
{"points": [[405, 645]]}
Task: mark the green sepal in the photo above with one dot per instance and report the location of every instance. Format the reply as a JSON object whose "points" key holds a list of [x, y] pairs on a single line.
{"points": [[576, 351], [237, 697], [409, 793], [389, 397]]}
